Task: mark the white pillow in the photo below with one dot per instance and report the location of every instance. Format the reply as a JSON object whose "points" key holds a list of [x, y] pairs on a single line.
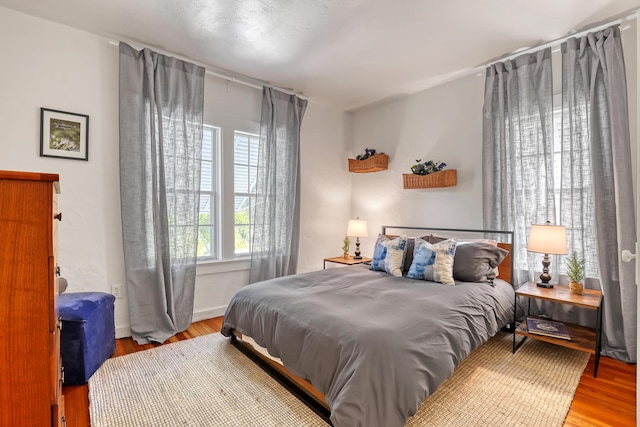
{"points": [[433, 262], [388, 254]]}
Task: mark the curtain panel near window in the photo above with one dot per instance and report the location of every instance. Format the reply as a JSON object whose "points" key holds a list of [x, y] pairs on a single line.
{"points": [[161, 103], [596, 155], [276, 213], [517, 151]]}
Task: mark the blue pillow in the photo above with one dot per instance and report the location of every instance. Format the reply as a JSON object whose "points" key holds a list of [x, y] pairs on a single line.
{"points": [[433, 262], [389, 254]]}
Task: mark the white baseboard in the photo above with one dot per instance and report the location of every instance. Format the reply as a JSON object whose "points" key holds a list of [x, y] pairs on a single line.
{"points": [[125, 330], [209, 314]]}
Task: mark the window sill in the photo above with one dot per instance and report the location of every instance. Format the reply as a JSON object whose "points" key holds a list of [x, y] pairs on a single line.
{"points": [[222, 266]]}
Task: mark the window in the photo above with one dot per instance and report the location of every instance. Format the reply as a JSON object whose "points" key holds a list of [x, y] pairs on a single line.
{"points": [[245, 165], [209, 194], [574, 187], [569, 188], [522, 184]]}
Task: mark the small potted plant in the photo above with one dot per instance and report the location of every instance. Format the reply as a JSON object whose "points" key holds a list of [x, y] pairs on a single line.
{"points": [[575, 271], [345, 247]]}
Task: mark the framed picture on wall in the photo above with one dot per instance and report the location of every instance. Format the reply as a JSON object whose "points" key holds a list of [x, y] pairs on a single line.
{"points": [[64, 134]]}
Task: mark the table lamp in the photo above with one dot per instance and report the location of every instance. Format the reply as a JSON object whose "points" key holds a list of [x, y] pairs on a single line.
{"points": [[357, 228], [547, 239]]}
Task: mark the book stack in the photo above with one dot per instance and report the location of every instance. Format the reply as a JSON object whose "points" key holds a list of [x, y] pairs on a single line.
{"points": [[550, 328]]}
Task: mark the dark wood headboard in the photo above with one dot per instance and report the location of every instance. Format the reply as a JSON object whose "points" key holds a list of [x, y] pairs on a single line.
{"points": [[506, 266], [504, 269]]}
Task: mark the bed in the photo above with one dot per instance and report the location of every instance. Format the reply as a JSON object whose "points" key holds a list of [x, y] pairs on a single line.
{"points": [[373, 345]]}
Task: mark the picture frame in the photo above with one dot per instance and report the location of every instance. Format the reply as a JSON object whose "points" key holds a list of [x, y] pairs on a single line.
{"points": [[64, 134]]}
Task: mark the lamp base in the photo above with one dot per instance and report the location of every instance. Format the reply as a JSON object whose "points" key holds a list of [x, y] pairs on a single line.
{"points": [[357, 252], [545, 277]]}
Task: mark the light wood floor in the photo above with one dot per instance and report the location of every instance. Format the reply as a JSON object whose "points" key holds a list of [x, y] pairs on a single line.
{"points": [[609, 400]]}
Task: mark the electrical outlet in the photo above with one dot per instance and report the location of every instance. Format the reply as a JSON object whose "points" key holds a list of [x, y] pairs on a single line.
{"points": [[116, 291]]}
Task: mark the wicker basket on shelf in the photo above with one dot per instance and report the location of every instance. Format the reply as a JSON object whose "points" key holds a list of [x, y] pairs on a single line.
{"points": [[445, 178], [375, 163]]}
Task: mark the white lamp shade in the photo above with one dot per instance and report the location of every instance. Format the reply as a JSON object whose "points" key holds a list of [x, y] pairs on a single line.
{"points": [[357, 228], [548, 239]]}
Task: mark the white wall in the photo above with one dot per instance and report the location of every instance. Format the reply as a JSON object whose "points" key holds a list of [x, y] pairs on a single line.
{"points": [[326, 185], [443, 123], [49, 65], [45, 64]]}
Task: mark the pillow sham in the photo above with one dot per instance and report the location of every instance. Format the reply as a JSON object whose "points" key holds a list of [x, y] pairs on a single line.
{"points": [[433, 262], [477, 261], [388, 254], [408, 252]]}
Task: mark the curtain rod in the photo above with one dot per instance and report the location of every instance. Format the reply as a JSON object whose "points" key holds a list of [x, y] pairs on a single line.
{"points": [[231, 77], [558, 41]]}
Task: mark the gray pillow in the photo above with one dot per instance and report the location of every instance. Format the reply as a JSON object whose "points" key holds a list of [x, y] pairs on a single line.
{"points": [[433, 239], [475, 261], [408, 254]]}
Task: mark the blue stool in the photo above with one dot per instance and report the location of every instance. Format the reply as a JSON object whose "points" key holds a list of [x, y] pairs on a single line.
{"points": [[88, 334]]}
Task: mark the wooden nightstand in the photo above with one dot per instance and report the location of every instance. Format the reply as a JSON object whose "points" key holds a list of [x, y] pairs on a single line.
{"points": [[582, 338], [342, 260]]}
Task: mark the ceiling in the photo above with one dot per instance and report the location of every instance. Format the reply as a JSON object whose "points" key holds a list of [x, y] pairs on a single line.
{"points": [[341, 53]]}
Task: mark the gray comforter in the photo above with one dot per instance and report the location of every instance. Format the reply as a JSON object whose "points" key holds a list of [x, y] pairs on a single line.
{"points": [[374, 344]]}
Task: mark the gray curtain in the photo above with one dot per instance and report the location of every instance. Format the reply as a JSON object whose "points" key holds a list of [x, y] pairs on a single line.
{"points": [[276, 213], [517, 152], [161, 105], [596, 154]]}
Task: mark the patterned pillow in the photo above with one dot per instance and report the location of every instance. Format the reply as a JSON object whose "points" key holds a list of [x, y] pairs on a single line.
{"points": [[388, 254], [433, 262]]}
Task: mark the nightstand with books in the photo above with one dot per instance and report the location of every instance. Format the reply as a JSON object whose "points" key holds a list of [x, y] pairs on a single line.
{"points": [[561, 333]]}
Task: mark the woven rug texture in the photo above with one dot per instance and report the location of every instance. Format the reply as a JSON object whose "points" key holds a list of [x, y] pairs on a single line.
{"points": [[493, 387], [206, 382]]}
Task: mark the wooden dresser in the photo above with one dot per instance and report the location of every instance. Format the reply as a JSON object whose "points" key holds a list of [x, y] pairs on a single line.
{"points": [[30, 365]]}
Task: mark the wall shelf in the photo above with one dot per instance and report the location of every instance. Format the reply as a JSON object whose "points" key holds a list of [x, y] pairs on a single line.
{"points": [[445, 178], [375, 163]]}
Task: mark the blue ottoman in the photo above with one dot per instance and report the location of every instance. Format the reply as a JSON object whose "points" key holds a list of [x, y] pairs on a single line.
{"points": [[88, 334]]}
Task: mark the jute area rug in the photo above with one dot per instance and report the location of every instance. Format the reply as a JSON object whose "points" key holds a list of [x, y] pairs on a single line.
{"points": [[207, 382]]}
